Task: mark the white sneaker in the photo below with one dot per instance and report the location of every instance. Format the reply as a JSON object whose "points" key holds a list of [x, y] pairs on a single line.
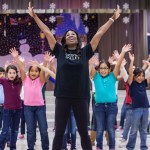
{"points": [[123, 143]]}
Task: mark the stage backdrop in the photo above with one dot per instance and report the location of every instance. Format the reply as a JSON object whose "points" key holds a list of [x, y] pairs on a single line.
{"points": [[21, 31]]}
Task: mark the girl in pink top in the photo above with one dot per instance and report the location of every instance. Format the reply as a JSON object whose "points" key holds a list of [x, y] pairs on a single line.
{"points": [[34, 108]]}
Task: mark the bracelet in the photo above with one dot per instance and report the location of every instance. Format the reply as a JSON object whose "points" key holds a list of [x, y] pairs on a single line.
{"points": [[111, 19]]}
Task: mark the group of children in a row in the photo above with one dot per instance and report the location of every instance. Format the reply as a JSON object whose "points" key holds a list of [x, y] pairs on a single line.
{"points": [[105, 96]]}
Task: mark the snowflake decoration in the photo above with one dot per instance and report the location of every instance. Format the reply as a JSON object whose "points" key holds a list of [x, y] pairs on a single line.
{"points": [[86, 4], [86, 17], [86, 29], [52, 6], [125, 6], [53, 31], [126, 20], [5, 6], [52, 19]]}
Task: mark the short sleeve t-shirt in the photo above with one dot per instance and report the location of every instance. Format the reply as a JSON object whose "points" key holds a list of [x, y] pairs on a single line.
{"points": [[138, 94], [72, 76], [11, 94], [105, 88]]}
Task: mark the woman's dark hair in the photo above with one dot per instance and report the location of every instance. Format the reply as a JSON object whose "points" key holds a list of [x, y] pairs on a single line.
{"points": [[2, 69], [17, 79], [63, 40], [137, 72], [103, 62], [31, 68]]}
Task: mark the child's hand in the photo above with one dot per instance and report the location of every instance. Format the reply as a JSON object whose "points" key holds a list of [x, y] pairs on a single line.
{"points": [[47, 56], [126, 48], [124, 62], [14, 52], [7, 63], [112, 61], [131, 56]]}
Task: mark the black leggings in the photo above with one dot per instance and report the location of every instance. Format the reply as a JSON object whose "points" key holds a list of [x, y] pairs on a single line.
{"points": [[62, 111]]}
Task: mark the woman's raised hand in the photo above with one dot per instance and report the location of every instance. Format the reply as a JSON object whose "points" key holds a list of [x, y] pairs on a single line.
{"points": [[30, 10]]}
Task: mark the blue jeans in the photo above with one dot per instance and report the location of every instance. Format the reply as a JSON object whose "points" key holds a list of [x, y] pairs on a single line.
{"points": [[71, 127], [22, 119], [105, 114], [123, 114], [1, 115], [33, 114], [128, 122], [11, 118], [140, 122]]}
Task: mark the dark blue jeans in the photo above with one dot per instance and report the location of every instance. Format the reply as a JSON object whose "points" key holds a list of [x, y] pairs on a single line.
{"points": [[33, 114], [11, 118], [1, 115], [70, 128], [105, 114], [22, 119]]}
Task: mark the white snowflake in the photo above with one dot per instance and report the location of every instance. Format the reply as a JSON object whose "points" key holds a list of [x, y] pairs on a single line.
{"points": [[125, 6], [5, 6], [52, 19], [53, 31], [126, 20], [86, 17], [86, 29], [52, 6], [86, 4]]}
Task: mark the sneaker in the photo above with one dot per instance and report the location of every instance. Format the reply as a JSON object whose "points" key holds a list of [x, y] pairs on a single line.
{"points": [[21, 136], [123, 143]]}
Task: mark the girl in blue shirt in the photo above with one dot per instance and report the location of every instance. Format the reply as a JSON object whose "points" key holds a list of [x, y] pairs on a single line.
{"points": [[105, 98], [140, 105]]}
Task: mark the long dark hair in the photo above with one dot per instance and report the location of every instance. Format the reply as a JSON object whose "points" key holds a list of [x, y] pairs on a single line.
{"points": [[137, 72], [17, 79], [63, 41]]}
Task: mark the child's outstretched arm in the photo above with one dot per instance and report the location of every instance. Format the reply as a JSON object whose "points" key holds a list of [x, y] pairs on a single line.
{"points": [[130, 78], [20, 64]]}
